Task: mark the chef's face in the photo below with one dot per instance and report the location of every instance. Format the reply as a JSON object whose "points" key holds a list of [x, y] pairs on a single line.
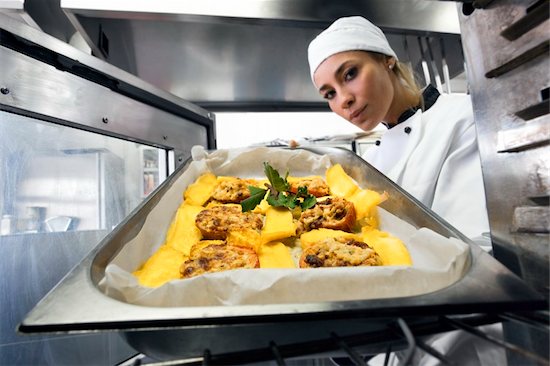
{"points": [[357, 86]]}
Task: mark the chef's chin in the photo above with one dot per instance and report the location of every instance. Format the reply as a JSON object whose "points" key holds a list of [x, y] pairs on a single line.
{"points": [[365, 125]]}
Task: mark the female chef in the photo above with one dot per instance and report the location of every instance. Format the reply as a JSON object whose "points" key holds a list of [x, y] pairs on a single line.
{"points": [[430, 147]]}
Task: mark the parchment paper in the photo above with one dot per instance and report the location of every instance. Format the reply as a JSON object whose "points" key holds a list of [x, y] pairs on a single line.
{"points": [[437, 261]]}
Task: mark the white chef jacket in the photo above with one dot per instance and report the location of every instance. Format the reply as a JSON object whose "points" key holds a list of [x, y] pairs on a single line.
{"points": [[433, 155]]}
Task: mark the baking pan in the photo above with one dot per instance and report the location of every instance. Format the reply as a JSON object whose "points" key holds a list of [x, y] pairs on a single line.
{"points": [[77, 304]]}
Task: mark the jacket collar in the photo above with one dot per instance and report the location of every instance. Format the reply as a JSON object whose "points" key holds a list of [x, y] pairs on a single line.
{"points": [[429, 95]]}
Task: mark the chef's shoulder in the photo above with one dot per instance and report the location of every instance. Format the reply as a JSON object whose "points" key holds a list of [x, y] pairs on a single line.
{"points": [[454, 109]]}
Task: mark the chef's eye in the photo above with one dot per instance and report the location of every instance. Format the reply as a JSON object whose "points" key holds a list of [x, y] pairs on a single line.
{"points": [[329, 94], [350, 73]]}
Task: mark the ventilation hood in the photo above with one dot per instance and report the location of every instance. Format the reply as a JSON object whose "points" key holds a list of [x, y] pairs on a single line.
{"points": [[251, 54]]}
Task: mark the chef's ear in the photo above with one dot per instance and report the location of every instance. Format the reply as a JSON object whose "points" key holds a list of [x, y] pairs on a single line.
{"points": [[390, 62]]}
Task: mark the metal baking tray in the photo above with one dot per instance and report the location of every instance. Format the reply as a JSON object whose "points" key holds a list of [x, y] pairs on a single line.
{"points": [[77, 305]]}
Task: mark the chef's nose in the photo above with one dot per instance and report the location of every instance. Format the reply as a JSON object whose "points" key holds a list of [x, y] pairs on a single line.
{"points": [[347, 99]]}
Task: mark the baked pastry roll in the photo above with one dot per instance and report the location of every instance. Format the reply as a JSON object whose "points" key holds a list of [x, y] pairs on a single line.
{"points": [[216, 258], [332, 213], [217, 221], [339, 252]]}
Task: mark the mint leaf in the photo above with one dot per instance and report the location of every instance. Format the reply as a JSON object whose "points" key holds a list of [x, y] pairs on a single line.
{"points": [[278, 183], [256, 196]]}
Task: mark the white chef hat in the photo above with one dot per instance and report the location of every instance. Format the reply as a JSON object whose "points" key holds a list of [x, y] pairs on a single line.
{"points": [[347, 34]]}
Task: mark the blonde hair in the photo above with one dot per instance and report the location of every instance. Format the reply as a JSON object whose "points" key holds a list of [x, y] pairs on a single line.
{"points": [[404, 74]]}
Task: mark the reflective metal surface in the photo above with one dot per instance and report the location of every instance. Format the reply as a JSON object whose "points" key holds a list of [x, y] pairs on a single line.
{"points": [[125, 106], [16, 9], [31, 265], [247, 54], [31, 83], [62, 190], [514, 150], [506, 47], [45, 15], [167, 332], [420, 15], [77, 155]]}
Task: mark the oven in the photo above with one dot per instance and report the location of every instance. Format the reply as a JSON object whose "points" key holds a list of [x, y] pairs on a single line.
{"points": [[504, 61]]}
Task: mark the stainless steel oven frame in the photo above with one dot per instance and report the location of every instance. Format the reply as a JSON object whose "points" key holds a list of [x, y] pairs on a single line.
{"points": [[47, 85]]}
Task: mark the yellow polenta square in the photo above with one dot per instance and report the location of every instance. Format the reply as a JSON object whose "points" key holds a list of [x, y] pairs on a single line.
{"points": [[339, 182], [161, 267], [391, 250], [247, 238], [183, 232], [278, 224], [201, 190], [275, 255]]}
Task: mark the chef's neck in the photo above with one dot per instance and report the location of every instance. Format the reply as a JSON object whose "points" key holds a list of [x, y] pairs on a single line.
{"points": [[403, 100]]}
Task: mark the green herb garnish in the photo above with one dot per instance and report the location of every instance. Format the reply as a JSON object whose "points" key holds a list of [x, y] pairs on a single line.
{"points": [[279, 193], [308, 200], [256, 196], [282, 200]]}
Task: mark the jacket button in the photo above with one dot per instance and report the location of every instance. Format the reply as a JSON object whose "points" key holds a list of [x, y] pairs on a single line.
{"points": [[377, 142], [407, 130]]}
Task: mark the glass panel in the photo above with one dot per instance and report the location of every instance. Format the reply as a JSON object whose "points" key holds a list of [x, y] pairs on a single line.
{"points": [[154, 168], [56, 178]]}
